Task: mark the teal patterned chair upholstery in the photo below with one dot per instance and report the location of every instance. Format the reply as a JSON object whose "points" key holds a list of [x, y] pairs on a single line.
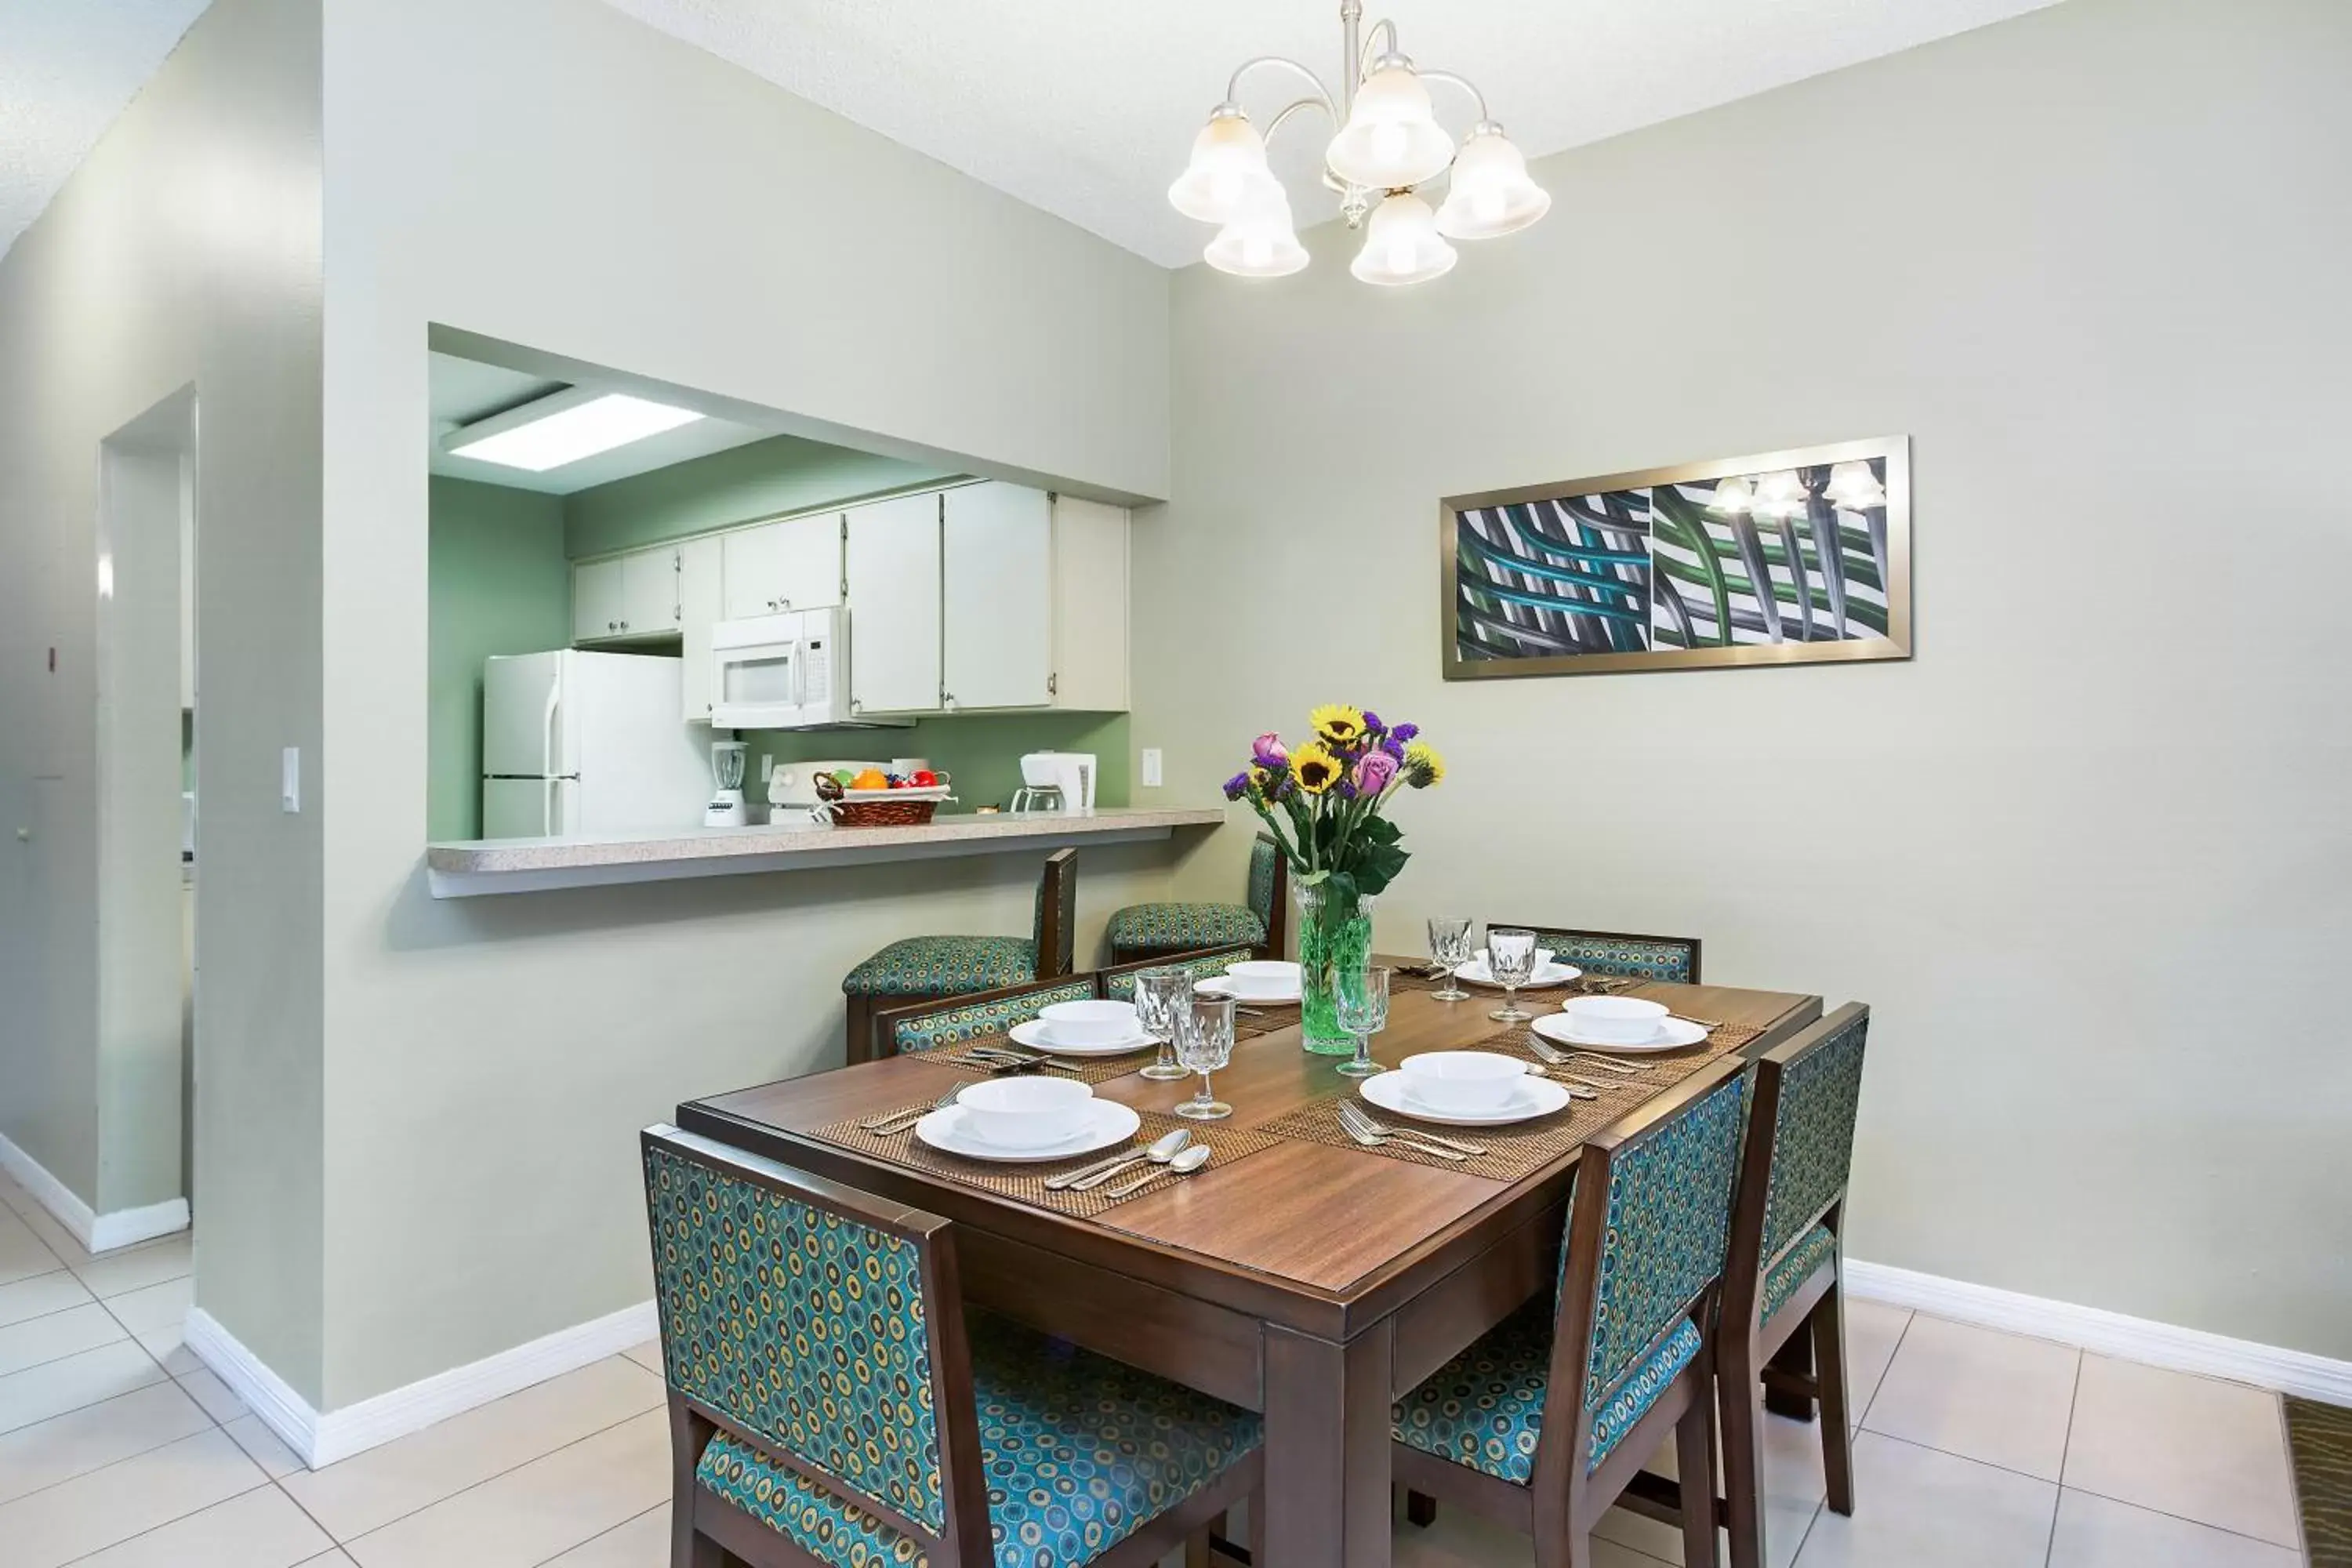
{"points": [[917, 968], [1153, 931], [1118, 981], [1622, 955], [1783, 1309], [929, 1026], [830, 1405], [1624, 1334]]}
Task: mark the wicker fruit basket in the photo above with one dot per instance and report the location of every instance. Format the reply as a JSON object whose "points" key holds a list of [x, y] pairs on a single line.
{"points": [[882, 807]]}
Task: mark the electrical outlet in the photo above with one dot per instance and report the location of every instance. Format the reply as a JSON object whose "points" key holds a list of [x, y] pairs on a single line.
{"points": [[1151, 767], [767, 766]]}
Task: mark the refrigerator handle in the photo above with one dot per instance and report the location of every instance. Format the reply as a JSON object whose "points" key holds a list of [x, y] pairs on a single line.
{"points": [[547, 729], [547, 809]]}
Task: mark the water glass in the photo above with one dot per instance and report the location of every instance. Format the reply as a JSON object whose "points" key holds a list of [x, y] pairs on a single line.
{"points": [[1159, 994], [1449, 948], [1363, 1011], [1205, 1042], [1511, 960]]}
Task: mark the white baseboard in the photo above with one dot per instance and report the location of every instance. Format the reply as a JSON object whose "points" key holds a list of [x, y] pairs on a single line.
{"points": [[2108, 1333], [320, 1440], [96, 1232]]}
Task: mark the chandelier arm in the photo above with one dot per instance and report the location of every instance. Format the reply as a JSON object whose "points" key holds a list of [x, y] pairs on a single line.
{"points": [[1233, 84], [1365, 53], [1465, 84], [1290, 109]]}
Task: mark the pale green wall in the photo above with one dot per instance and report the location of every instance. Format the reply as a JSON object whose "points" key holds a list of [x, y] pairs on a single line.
{"points": [[780, 474], [500, 584]]}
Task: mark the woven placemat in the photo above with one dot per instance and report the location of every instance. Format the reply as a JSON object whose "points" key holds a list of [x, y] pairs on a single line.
{"points": [[1085, 1069], [1027, 1183], [1524, 1147]]}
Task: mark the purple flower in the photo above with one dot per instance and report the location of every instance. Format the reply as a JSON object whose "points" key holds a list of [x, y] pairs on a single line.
{"points": [[1394, 748], [1405, 731], [1375, 773], [1372, 722], [1347, 789], [1237, 786], [1269, 751]]}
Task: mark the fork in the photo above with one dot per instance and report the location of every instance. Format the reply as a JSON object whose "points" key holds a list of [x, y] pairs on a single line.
{"points": [[1372, 1134], [1552, 1056], [890, 1123]]}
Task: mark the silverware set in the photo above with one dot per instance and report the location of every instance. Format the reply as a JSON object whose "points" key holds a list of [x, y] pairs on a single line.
{"points": [[900, 1120], [1371, 1134], [1183, 1165], [1087, 1177], [1561, 1061], [1004, 1058]]}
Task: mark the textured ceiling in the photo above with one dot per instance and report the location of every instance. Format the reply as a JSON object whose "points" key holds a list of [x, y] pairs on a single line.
{"points": [[66, 68], [1087, 108]]}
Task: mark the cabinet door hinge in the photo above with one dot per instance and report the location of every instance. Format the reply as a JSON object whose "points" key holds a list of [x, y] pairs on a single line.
{"points": [[1053, 685]]}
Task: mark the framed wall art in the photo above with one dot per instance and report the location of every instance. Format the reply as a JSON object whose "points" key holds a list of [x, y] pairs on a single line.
{"points": [[1782, 558]]}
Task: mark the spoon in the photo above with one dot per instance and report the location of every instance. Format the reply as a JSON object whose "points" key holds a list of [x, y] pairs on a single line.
{"points": [[1088, 1175], [1183, 1164]]}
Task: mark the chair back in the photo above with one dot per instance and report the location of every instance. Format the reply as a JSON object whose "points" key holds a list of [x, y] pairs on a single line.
{"points": [[824, 1327], [1055, 926], [1649, 1220], [1622, 956], [1118, 980], [1268, 895], [1804, 1100], [953, 1020]]}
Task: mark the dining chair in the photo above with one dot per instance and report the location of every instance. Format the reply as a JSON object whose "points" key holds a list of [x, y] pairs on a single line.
{"points": [[1118, 981], [1784, 1273], [1153, 931], [917, 968], [1621, 954], [832, 1405], [953, 1020], [1624, 1340]]}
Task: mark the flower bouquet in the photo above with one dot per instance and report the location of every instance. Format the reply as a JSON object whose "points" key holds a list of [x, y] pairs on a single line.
{"points": [[1324, 803]]}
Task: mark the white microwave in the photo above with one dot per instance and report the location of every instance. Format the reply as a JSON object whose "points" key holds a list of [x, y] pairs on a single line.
{"points": [[781, 672]]}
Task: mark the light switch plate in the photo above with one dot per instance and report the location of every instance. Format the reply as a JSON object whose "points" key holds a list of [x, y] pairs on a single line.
{"points": [[289, 779], [1151, 767]]}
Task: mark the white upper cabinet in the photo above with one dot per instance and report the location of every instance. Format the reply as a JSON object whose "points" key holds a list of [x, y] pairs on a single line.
{"points": [[649, 592], [1090, 606], [699, 609], [777, 566], [892, 564], [997, 634], [597, 595]]}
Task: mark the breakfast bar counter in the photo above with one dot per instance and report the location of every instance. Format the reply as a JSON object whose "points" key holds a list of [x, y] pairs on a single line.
{"points": [[471, 868]]}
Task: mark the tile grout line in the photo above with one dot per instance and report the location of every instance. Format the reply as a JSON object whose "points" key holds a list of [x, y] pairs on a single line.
{"points": [[600, 1535], [1812, 1519], [167, 1524], [2065, 1452], [1862, 1417]]}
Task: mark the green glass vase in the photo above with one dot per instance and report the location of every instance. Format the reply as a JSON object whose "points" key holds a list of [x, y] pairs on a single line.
{"points": [[1335, 933]]}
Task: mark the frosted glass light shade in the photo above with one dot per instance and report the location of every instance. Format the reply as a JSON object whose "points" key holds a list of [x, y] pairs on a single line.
{"points": [[1261, 242], [1780, 495], [1490, 193], [1228, 163], [1402, 243], [1853, 487], [1732, 497], [1392, 139]]}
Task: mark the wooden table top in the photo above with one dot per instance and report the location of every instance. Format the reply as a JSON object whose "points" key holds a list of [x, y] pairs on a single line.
{"points": [[1319, 1224]]}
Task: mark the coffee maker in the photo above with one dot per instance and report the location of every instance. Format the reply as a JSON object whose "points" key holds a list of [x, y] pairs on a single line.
{"points": [[1056, 782]]}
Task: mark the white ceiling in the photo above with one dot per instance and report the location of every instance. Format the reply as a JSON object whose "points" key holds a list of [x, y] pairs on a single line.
{"points": [[464, 391], [1087, 108], [66, 68]]}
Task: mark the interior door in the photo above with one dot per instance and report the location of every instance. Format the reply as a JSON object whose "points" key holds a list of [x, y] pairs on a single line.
{"points": [[893, 564], [597, 597], [649, 592], [997, 597]]}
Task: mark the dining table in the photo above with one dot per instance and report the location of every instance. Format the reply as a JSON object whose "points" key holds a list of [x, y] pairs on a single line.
{"points": [[1298, 1274]]}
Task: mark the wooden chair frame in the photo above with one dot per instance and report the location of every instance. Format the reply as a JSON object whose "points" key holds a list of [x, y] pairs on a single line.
{"points": [[1277, 922], [884, 1038], [1562, 1501], [706, 1529], [1104, 977], [1543, 929], [1057, 885], [1745, 1347]]}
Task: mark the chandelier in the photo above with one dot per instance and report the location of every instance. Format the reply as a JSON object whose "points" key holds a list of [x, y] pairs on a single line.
{"points": [[1387, 144]]}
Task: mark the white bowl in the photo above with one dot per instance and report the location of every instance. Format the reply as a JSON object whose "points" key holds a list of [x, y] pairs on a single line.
{"points": [[1627, 1018], [1262, 974], [1089, 1023], [1462, 1080], [1026, 1113]]}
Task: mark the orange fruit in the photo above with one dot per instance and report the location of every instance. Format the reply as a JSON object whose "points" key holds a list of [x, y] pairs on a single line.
{"points": [[872, 778]]}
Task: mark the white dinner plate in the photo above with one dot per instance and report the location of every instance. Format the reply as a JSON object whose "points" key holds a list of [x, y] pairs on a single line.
{"points": [[1035, 1035], [1672, 1035], [1533, 1098], [1224, 986], [1552, 973], [1113, 1124]]}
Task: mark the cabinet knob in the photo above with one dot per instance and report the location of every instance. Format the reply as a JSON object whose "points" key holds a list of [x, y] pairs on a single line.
{"points": [[612, 626]]}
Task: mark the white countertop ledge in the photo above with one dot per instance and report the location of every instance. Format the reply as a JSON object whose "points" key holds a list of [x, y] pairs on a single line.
{"points": [[471, 868]]}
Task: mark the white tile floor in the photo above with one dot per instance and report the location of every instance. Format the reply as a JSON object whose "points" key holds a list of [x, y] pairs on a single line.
{"points": [[1975, 1451]]}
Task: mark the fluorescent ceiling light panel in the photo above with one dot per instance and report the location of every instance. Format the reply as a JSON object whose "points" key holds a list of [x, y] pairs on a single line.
{"points": [[568, 435]]}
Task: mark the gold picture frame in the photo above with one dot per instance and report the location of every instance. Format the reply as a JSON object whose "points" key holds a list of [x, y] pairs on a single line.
{"points": [[1655, 569]]}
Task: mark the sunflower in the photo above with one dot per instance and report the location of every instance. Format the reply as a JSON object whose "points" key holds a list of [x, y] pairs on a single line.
{"points": [[1423, 765], [1316, 769], [1337, 725]]}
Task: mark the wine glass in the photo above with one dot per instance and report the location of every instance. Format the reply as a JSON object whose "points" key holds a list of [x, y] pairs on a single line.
{"points": [[1205, 1042], [1449, 946], [1159, 994], [1511, 960], [1363, 1011]]}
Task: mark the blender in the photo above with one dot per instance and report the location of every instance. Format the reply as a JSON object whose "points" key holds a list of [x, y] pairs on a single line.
{"points": [[726, 808]]}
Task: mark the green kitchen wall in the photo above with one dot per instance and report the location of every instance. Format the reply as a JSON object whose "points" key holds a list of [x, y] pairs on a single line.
{"points": [[766, 478], [981, 752], [500, 584]]}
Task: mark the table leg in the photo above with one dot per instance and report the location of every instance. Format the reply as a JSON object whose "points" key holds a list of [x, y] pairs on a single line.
{"points": [[1327, 1450]]}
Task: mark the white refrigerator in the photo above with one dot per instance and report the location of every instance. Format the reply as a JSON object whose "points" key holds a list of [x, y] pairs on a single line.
{"points": [[578, 743]]}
